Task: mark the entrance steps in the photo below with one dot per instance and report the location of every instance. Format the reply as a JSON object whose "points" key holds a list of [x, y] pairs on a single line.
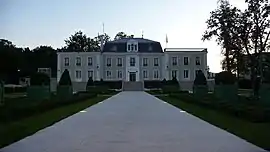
{"points": [[132, 86]]}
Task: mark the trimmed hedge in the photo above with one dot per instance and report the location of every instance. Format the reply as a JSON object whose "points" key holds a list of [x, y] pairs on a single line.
{"points": [[200, 79], [65, 78], [153, 84], [19, 108], [245, 84], [15, 90], [38, 79], [225, 77], [245, 109], [109, 84]]}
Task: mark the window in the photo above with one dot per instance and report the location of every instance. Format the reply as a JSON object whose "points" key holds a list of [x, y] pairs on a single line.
{"points": [[119, 74], [108, 74], [89, 61], [90, 74], [174, 73], [196, 72], [78, 61], [132, 47], [66, 61], [119, 62], [132, 61], [78, 74], [198, 61], [145, 74], [174, 60], [145, 61], [186, 74], [129, 47], [155, 61], [156, 74], [109, 62], [185, 60]]}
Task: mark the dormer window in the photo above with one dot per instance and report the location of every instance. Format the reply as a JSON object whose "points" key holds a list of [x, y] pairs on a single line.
{"points": [[132, 46]]}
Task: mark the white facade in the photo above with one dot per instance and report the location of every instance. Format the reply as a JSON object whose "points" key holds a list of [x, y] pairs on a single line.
{"points": [[133, 65]]}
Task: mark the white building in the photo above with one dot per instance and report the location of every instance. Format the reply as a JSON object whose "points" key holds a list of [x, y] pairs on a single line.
{"points": [[133, 59]]}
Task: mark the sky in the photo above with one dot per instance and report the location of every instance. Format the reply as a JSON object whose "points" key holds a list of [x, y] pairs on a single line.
{"points": [[31, 23]]}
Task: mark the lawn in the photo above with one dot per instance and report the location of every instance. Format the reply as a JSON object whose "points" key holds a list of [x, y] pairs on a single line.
{"points": [[16, 130], [256, 133]]}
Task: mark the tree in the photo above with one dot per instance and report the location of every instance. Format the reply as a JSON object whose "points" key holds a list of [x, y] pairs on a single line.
{"points": [[254, 31], [241, 34], [79, 42], [65, 79], [45, 57], [221, 25], [120, 35]]}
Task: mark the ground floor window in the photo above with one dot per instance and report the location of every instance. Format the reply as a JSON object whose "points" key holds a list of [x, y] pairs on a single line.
{"points": [[119, 74], [108, 74], [174, 73], [186, 74], [78, 74], [145, 74], [156, 74], [90, 74]]}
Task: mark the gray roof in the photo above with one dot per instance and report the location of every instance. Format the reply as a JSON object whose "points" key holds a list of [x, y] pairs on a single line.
{"points": [[144, 45]]}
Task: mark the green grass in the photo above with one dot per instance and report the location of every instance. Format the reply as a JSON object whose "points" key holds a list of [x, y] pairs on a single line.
{"points": [[14, 131], [256, 133]]}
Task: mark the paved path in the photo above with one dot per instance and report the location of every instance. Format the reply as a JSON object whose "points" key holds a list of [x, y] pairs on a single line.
{"points": [[132, 122]]}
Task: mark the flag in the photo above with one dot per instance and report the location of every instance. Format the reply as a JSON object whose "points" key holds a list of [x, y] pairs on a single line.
{"points": [[166, 38]]}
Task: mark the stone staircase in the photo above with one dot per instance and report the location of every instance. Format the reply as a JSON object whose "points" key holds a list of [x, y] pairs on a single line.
{"points": [[132, 86]]}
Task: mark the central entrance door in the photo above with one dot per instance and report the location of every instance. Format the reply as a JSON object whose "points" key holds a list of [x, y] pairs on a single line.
{"points": [[132, 76]]}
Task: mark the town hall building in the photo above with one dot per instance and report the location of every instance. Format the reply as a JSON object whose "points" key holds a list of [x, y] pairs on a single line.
{"points": [[133, 59]]}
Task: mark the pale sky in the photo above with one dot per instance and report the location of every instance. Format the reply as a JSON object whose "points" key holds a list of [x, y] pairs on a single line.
{"points": [[31, 23]]}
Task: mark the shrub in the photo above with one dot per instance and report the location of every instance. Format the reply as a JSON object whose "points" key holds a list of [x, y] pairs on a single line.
{"points": [[245, 84], [267, 77], [65, 78], [39, 79], [200, 79], [225, 77], [90, 82], [153, 84]]}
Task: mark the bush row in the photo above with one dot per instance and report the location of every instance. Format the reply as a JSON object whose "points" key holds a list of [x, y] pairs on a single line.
{"points": [[15, 90], [252, 112], [18, 108]]}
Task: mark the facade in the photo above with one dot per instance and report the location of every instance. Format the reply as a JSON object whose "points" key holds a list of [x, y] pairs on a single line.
{"points": [[133, 59]]}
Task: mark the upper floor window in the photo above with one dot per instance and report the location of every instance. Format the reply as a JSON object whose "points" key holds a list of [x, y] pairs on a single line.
{"points": [[185, 60], [66, 61], [109, 62], [89, 61], [119, 62], [155, 61], [198, 61], [132, 61], [78, 61], [132, 46], [174, 60], [145, 61], [156, 74]]}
